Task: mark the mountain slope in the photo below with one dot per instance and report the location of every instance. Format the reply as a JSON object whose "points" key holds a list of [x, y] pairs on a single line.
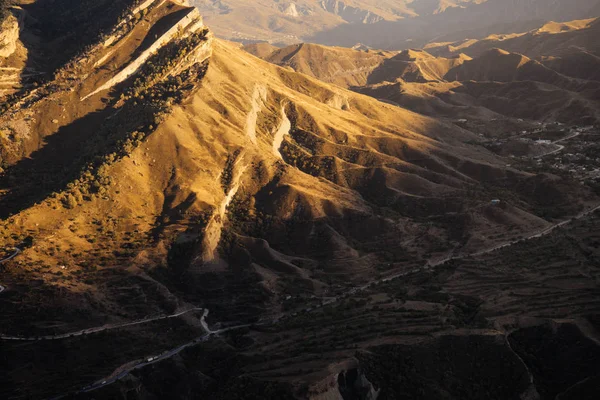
{"points": [[341, 66], [494, 83], [569, 48], [551, 39], [415, 66]]}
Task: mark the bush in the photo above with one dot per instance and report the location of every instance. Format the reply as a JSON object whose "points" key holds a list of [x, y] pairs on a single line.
{"points": [[4, 4]]}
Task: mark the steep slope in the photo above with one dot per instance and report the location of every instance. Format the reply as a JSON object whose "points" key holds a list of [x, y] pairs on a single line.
{"points": [[341, 66], [415, 66], [12, 52], [261, 50]]}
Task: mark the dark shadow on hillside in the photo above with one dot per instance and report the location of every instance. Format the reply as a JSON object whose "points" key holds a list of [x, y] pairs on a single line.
{"points": [[55, 32], [172, 214], [389, 70], [50, 168], [160, 28], [68, 27]]}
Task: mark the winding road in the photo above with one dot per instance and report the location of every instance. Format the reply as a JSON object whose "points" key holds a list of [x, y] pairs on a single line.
{"points": [[450, 257], [124, 370], [102, 328], [560, 146]]}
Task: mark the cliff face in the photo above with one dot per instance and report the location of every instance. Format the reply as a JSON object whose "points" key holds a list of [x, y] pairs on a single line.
{"points": [[9, 35], [177, 42], [350, 383], [349, 13], [189, 24], [11, 50]]}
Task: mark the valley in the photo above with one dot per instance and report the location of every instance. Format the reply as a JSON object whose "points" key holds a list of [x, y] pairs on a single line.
{"points": [[182, 216]]}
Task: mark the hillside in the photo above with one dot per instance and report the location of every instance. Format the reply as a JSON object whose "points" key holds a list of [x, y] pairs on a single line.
{"points": [[493, 84], [261, 50], [551, 39], [337, 65], [181, 219], [569, 48], [414, 66]]}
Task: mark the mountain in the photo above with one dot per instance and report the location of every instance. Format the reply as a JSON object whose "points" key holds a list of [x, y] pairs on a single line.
{"points": [[182, 219], [569, 48], [551, 39], [554, 64], [388, 24], [549, 74], [286, 22], [261, 50], [415, 66], [495, 85], [473, 20], [338, 65]]}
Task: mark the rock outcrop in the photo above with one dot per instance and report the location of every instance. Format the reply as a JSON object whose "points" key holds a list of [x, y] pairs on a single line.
{"points": [[9, 35], [349, 13], [350, 383], [190, 22]]}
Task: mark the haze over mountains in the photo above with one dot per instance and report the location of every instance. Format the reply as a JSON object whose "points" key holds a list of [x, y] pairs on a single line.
{"points": [[183, 219], [547, 74], [388, 24]]}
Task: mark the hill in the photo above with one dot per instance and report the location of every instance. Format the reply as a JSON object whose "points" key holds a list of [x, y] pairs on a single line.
{"points": [[261, 50], [414, 66], [569, 48], [551, 39], [495, 83], [337, 65]]}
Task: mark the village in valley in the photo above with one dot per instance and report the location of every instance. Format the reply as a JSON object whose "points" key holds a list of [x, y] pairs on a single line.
{"points": [[555, 148]]}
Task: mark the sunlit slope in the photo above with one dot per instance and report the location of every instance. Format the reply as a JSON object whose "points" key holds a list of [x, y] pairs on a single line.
{"points": [[275, 166], [340, 66], [550, 39]]}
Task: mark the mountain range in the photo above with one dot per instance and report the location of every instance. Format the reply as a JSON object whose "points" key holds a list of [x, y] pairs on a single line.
{"points": [[184, 217], [389, 24]]}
